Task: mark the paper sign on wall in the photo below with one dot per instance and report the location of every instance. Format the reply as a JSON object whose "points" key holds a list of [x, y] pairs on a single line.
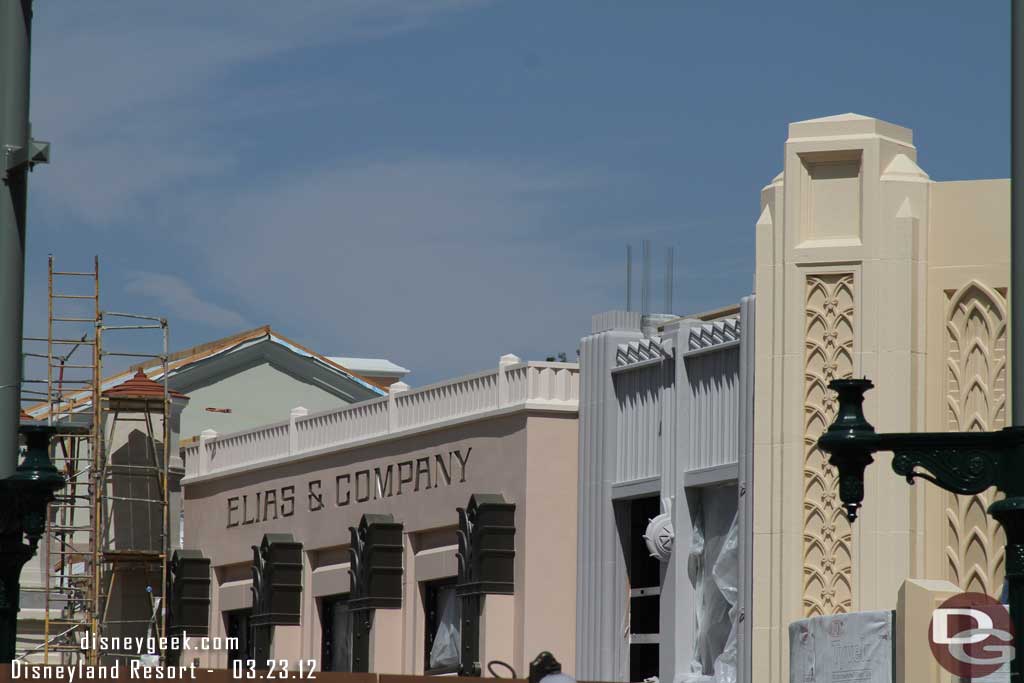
{"points": [[842, 648]]}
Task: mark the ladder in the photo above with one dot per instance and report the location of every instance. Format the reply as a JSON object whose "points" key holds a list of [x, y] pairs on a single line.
{"points": [[70, 548]]}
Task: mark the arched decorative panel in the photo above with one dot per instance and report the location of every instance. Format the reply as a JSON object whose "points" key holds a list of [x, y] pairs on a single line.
{"points": [[827, 537], [975, 401]]}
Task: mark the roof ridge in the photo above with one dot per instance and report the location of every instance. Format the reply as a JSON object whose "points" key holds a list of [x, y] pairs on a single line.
{"points": [[196, 353], [208, 346], [326, 359]]}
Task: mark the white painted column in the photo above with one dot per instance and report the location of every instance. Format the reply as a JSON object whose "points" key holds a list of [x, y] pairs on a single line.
{"points": [[293, 435], [509, 359], [393, 391], [205, 450]]}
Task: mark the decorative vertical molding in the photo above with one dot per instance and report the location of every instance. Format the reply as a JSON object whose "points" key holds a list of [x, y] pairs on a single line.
{"points": [[827, 537], [975, 401]]}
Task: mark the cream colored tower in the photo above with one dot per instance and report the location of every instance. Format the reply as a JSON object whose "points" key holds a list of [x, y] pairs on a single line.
{"points": [[865, 267]]}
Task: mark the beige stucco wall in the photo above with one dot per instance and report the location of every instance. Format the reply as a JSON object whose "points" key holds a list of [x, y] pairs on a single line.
{"points": [[865, 267], [528, 456]]}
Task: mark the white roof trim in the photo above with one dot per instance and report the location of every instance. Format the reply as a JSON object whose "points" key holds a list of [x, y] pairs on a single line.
{"points": [[371, 366]]}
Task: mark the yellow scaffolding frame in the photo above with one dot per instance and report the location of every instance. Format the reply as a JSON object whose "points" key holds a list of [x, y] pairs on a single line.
{"points": [[81, 559]]}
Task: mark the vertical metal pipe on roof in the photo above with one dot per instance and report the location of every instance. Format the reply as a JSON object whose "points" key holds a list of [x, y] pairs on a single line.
{"points": [[629, 278], [645, 280], [15, 41], [670, 257]]}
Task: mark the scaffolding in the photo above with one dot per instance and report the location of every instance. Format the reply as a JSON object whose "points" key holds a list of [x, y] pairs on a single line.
{"points": [[90, 551]]}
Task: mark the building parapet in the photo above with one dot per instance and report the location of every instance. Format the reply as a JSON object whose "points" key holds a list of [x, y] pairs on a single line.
{"points": [[513, 386]]}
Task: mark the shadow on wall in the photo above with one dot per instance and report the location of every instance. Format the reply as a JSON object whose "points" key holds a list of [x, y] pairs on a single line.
{"points": [[132, 582], [136, 499]]}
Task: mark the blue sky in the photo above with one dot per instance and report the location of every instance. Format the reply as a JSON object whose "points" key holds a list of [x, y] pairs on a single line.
{"points": [[440, 182]]}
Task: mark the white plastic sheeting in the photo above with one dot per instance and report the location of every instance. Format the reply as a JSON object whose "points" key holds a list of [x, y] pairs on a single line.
{"points": [[714, 571], [341, 638], [447, 639]]}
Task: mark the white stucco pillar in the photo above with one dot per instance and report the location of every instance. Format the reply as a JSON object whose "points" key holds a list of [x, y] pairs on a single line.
{"points": [[393, 391], [504, 363], [205, 450], [293, 436]]}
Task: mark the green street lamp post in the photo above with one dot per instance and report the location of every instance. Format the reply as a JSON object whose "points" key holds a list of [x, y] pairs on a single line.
{"points": [[22, 523], [26, 489]]}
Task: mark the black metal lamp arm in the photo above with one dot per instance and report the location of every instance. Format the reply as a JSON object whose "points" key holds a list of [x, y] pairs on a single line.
{"points": [[960, 462], [963, 470]]}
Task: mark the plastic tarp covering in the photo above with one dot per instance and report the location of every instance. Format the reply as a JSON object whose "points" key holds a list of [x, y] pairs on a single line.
{"points": [[447, 639], [713, 566], [341, 645]]}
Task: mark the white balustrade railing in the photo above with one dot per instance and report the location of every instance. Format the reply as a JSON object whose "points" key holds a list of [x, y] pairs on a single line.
{"points": [[446, 400], [513, 384]]}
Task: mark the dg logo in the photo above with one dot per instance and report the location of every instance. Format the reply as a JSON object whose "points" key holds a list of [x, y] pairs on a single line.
{"points": [[971, 635]]}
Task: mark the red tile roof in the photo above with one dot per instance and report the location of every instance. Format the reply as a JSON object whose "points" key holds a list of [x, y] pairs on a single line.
{"points": [[141, 386]]}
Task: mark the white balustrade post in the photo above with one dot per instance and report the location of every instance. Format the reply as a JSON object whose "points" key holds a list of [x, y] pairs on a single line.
{"points": [[205, 451], [503, 364], [293, 435], [393, 391]]}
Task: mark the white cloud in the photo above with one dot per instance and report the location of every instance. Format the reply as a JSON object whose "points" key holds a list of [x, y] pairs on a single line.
{"points": [[178, 297]]}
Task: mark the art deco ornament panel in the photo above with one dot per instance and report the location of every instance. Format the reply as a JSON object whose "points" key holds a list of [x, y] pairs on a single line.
{"points": [[827, 537], [975, 401]]}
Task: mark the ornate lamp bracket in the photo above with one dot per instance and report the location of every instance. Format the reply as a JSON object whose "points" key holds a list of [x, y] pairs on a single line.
{"points": [[964, 463], [960, 469]]}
